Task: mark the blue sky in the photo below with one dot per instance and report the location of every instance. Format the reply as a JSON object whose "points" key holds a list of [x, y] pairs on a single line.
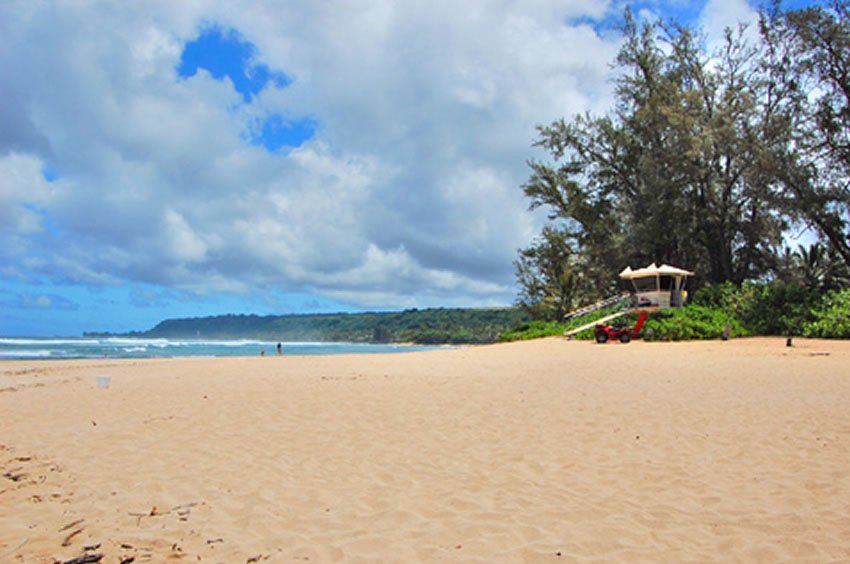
{"points": [[172, 159], [225, 53]]}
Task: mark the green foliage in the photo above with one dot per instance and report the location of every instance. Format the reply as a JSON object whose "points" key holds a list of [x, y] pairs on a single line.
{"points": [[807, 58], [689, 323], [533, 330], [776, 308], [705, 160], [642, 183], [816, 267], [831, 318], [720, 296], [779, 308], [693, 322], [539, 329], [551, 278]]}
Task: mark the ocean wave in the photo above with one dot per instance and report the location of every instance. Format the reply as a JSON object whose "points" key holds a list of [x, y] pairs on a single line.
{"points": [[127, 347], [23, 342], [40, 353], [131, 342], [235, 343], [163, 342]]}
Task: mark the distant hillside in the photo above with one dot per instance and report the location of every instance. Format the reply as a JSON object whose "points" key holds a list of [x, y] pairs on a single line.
{"points": [[427, 326]]}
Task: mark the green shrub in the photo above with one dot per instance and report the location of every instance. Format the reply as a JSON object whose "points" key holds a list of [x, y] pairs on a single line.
{"points": [[719, 296], [533, 330], [693, 322], [774, 308], [777, 308], [754, 308], [831, 320]]}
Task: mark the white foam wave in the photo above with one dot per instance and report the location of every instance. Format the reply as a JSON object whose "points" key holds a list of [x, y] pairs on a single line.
{"points": [[130, 342], [23, 342], [26, 353]]}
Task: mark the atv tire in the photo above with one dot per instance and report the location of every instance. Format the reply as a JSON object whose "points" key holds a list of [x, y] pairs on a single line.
{"points": [[625, 338], [602, 337]]}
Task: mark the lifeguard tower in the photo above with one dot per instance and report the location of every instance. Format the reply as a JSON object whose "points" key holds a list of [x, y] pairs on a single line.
{"points": [[657, 287]]}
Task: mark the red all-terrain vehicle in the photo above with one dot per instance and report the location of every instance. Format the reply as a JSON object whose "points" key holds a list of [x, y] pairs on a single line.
{"points": [[604, 333]]}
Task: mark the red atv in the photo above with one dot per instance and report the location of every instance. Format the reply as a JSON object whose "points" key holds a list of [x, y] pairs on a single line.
{"points": [[623, 334]]}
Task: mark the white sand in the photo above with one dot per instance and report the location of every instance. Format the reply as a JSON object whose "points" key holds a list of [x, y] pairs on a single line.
{"points": [[529, 452]]}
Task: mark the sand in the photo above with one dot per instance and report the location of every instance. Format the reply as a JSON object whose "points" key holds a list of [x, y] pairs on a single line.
{"points": [[547, 451]]}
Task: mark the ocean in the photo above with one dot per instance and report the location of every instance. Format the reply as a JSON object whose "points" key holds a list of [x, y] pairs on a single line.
{"points": [[119, 347]]}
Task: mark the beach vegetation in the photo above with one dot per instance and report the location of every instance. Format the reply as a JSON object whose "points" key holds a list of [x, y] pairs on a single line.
{"points": [[533, 330], [806, 61], [674, 173], [831, 320], [708, 160], [694, 322], [769, 309], [775, 308], [553, 279], [539, 328]]}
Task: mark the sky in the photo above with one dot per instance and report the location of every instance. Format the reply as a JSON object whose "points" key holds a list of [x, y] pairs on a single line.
{"points": [[166, 159]]}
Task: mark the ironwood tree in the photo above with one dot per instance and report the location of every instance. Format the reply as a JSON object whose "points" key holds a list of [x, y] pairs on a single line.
{"points": [[808, 63], [675, 172], [553, 279], [706, 159]]}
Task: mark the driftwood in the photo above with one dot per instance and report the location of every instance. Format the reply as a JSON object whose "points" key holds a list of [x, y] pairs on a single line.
{"points": [[72, 524], [85, 559], [69, 538]]}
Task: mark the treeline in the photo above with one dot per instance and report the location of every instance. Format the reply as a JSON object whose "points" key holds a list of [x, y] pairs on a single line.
{"points": [[426, 326], [754, 308], [707, 160]]}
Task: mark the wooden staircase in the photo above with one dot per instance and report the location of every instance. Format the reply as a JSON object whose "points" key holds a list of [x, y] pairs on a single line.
{"points": [[598, 305]]}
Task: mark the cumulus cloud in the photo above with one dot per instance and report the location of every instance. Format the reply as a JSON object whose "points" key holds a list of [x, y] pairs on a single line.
{"points": [[721, 14], [23, 191], [406, 194]]}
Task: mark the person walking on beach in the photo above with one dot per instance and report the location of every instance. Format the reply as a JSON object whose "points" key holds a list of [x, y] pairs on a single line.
{"points": [[279, 349]]}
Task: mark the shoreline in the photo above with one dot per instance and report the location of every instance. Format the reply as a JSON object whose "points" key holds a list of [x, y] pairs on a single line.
{"points": [[66, 349]]}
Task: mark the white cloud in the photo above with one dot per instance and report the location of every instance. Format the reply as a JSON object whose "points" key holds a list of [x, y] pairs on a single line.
{"points": [[184, 243], [22, 190], [718, 15], [408, 194]]}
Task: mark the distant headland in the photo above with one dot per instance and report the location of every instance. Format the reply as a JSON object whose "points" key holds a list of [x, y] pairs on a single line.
{"points": [[421, 326]]}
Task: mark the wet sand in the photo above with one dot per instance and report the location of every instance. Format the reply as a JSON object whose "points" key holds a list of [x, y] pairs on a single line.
{"points": [[546, 451]]}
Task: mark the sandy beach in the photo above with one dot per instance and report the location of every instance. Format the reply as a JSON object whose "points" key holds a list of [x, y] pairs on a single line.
{"points": [[544, 451]]}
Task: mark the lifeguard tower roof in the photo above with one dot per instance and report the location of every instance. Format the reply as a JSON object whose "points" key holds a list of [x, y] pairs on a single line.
{"points": [[653, 270]]}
